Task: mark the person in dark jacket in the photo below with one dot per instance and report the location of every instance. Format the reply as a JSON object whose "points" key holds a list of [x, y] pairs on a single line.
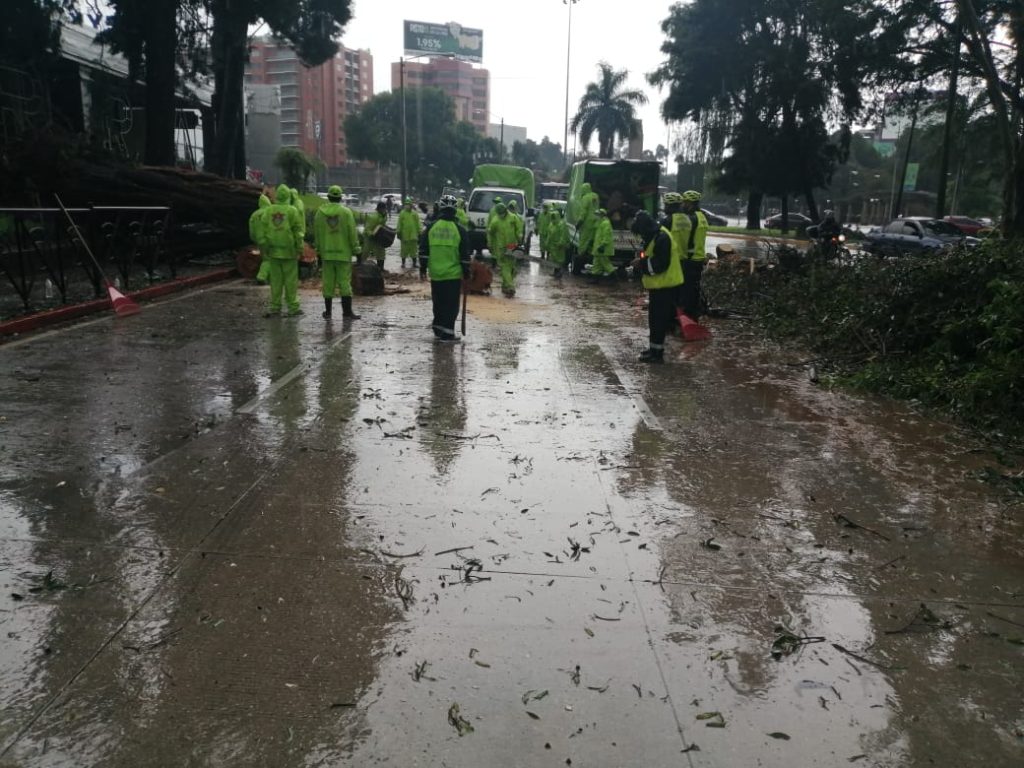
{"points": [[446, 246], [660, 265]]}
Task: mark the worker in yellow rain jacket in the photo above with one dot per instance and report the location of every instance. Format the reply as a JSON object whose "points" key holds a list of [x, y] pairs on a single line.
{"points": [[409, 228], [501, 240], [603, 247], [283, 238], [337, 243], [557, 239], [256, 227]]}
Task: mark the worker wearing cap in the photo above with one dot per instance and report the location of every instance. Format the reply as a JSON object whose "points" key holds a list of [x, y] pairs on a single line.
{"points": [[283, 238], [661, 267], [689, 227], [603, 247], [446, 245], [256, 226], [501, 240], [337, 242], [409, 227], [557, 240]]}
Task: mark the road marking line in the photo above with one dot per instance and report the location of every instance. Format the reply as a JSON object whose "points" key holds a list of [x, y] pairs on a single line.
{"points": [[299, 370], [646, 414]]}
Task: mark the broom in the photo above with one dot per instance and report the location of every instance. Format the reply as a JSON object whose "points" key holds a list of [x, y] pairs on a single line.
{"points": [[123, 306]]}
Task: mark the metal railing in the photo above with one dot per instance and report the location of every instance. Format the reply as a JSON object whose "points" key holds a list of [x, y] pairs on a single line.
{"points": [[38, 246]]}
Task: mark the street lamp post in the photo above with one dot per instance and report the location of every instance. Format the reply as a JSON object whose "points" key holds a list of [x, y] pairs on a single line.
{"points": [[568, 48]]}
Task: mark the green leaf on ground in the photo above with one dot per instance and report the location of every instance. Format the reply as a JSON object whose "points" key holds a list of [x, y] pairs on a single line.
{"points": [[458, 722]]}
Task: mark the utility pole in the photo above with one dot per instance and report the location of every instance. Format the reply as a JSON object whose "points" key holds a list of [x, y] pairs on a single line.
{"points": [[568, 49], [501, 143], [405, 147], [897, 203], [947, 137]]}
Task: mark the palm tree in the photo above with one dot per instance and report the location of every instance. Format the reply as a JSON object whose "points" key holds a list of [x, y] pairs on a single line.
{"points": [[607, 110]]}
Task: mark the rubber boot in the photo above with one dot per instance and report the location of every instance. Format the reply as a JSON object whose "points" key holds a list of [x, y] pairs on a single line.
{"points": [[346, 308], [327, 308], [653, 356]]}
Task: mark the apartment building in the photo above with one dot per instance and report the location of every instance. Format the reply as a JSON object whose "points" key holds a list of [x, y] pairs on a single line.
{"points": [[468, 86], [314, 101]]}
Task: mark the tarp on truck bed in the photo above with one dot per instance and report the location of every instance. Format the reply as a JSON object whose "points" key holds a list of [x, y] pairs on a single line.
{"points": [[505, 176]]}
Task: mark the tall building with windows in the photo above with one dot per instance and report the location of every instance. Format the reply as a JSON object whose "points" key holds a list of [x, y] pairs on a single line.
{"points": [[314, 101], [468, 86]]}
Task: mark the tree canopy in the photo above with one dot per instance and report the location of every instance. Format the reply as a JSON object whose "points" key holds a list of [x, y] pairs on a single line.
{"points": [[439, 147], [608, 110]]}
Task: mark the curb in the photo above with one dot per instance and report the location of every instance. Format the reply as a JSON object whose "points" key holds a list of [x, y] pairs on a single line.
{"points": [[74, 311]]}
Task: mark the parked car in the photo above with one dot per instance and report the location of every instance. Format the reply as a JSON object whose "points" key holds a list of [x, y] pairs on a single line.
{"points": [[966, 224], [796, 221], [914, 235]]}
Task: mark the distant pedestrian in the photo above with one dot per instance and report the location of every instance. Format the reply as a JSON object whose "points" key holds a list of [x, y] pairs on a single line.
{"points": [[374, 221], [543, 222], [557, 239], [446, 246], [283, 236], [337, 242], [662, 273], [409, 228], [257, 225], [689, 227], [603, 247]]}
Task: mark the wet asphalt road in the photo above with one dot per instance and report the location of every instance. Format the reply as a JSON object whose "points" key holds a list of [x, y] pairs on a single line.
{"points": [[230, 541]]}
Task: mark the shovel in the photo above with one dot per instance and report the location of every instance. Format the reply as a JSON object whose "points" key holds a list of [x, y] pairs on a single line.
{"points": [[123, 306]]}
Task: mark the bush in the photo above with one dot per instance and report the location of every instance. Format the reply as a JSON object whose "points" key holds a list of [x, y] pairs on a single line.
{"points": [[944, 330]]}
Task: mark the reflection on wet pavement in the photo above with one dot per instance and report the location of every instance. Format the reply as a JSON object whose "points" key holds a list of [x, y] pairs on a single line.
{"points": [[231, 541]]}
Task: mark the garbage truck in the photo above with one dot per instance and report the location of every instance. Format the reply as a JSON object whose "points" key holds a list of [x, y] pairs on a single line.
{"points": [[623, 187], [509, 182]]}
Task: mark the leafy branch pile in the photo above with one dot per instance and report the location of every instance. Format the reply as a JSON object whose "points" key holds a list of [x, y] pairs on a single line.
{"points": [[945, 331]]}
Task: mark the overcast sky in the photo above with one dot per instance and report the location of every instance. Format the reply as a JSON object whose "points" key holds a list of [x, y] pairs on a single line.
{"points": [[524, 49]]}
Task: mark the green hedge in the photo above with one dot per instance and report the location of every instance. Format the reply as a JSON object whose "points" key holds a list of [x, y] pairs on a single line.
{"points": [[945, 330]]}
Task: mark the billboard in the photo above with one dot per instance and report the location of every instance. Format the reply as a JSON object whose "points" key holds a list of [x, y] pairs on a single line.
{"points": [[451, 39]]}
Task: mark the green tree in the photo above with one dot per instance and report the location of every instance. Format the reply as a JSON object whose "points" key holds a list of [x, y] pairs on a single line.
{"points": [[296, 167], [791, 69], [608, 110], [439, 147]]}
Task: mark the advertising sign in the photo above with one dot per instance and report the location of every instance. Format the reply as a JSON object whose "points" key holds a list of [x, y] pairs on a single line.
{"points": [[451, 39]]}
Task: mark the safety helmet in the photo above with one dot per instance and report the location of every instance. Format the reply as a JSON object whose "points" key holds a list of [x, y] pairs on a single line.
{"points": [[447, 201], [408, 201], [497, 199], [691, 196], [673, 198], [512, 206], [602, 212], [334, 192]]}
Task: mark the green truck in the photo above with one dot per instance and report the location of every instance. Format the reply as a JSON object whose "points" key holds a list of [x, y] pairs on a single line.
{"points": [[623, 187], [509, 182]]}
